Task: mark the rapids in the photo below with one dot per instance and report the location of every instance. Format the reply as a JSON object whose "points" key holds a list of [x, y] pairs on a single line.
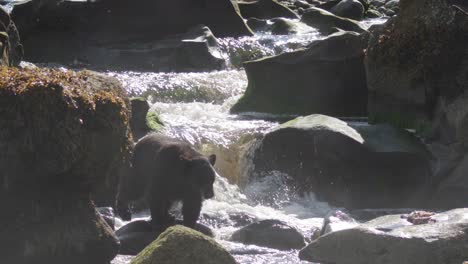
{"points": [[195, 107]]}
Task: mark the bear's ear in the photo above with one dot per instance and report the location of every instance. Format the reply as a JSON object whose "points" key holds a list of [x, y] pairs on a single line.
{"points": [[212, 159]]}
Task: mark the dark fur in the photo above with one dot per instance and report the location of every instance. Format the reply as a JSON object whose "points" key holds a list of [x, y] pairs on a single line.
{"points": [[168, 170]]}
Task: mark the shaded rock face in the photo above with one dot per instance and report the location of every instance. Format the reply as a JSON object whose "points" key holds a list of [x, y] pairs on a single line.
{"points": [[392, 239], [350, 166], [183, 245], [11, 50], [135, 236], [271, 234], [265, 9], [327, 23], [138, 123], [145, 35], [63, 133], [327, 77], [415, 59], [417, 76]]}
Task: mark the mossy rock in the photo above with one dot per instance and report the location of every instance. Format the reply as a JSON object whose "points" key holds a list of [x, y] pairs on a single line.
{"points": [[63, 133], [182, 245], [415, 61], [61, 126], [154, 121]]}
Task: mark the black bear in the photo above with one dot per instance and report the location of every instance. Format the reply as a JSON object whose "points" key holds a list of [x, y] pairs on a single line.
{"points": [[165, 170]]}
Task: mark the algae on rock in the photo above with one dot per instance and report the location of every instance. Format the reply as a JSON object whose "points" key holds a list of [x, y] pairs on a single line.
{"points": [[63, 132], [182, 245]]}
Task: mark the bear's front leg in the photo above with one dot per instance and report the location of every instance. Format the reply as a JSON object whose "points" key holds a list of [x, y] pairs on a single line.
{"points": [[191, 209], [160, 217]]}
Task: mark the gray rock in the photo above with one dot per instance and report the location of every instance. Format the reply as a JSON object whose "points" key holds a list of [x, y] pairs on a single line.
{"points": [[353, 166], [443, 241], [270, 233], [327, 77], [325, 21], [352, 9], [337, 221]]}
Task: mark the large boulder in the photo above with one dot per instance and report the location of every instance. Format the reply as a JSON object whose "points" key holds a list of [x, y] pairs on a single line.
{"points": [[416, 59], [62, 133], [147, 35], [355, 166], [11, 50], [265, 9], [271, 234], [327, 23], [416, 67], [392, 239], [327, 77], [183, 245]]}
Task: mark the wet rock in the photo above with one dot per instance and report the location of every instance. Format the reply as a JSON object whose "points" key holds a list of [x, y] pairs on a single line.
{"points": [[143, 121], [371, 13], [352, 9], [119, 35], [327, 77], [11, 49], [107, 213], [451, 189], [135, 236], [63, 132], [353, 166], [182, 245], [325, 21], [337, 221], [265, 9], [283, 26], [392, 239], [257, 24], [271, 234]]}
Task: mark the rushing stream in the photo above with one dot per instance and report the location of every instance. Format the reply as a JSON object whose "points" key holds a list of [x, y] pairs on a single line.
{"points": [[195, 107]]}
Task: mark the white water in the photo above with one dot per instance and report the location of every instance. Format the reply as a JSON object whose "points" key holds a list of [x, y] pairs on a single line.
{"points": [[195, 107]]}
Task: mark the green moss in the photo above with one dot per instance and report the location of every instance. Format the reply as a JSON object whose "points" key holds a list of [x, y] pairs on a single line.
{"points": [[182, 245], [154, 122], [61, 124]]}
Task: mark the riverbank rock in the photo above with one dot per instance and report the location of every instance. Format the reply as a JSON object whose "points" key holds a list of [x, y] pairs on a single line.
{"points": [[11, 50], [182, 245], [63, 133], [265, 9], [143, 121], [328, 23], [355, 166], [327, 77], [425, 86], [271, 234], [123, 35], [392, 239], [406, 79], [135, 236]]}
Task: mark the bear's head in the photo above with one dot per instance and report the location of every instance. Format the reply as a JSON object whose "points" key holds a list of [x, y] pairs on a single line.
{"points": [[201, 175]]}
